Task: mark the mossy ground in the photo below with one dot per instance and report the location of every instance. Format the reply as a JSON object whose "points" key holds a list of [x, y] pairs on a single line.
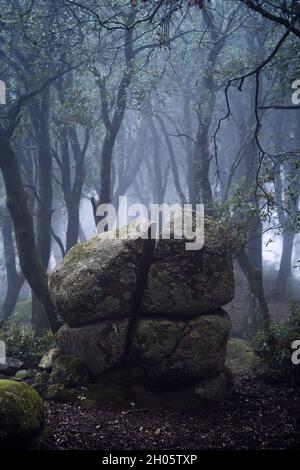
{"points": [[240, 356]]}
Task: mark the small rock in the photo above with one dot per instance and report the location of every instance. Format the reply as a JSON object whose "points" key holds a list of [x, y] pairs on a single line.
{"points": [[11, 366], [23, 374], [70, 371], [41, 381], [49, 358], [58, 392]]}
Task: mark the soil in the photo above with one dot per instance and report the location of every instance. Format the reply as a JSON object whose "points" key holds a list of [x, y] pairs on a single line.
{"points": [[255, 414]]}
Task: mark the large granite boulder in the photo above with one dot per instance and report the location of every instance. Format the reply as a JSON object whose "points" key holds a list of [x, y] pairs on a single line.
{"points": [[168, 351], [186, 283], [97, 279], [177, 335]]}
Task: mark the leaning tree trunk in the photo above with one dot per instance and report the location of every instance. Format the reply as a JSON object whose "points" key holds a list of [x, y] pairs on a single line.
{"points": [[15, 279], [17, 203]]}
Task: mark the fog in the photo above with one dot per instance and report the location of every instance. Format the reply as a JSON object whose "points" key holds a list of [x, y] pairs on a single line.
{"points": [[178, 108]]}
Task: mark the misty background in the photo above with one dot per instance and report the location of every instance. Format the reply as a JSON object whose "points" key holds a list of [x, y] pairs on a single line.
{"points": [[162, 102]]}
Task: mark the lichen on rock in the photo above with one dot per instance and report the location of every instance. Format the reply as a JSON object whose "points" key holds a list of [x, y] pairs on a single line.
{"points": [[70, 371]]}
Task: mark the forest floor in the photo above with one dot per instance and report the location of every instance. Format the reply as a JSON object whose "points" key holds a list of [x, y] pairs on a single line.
{"points": [[255, 414]]}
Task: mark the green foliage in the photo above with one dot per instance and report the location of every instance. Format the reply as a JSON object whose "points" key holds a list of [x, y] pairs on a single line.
{"points": [[239, 209], [274, 346], [23, 343]]}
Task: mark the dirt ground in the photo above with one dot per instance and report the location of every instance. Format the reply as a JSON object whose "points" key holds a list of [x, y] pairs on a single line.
{"points": [[255, 414]]}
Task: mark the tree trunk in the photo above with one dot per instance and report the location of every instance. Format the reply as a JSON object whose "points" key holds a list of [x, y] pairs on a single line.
{"points": [[254, 245], [45, 190], [44, 203], [260, 316], [113, 125], [17, 204], [202, 191], [285, 268], [15, 280], [73, 223]]}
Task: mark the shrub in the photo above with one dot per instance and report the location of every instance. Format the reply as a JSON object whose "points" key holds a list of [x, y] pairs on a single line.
{"points": [[23, 343], [273, 345]]}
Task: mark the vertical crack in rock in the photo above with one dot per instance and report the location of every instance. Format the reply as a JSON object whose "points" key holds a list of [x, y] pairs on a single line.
{"points": [[141, 283]]}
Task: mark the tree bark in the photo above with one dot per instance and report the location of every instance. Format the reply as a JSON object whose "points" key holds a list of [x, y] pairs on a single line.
{"points": [[15, 279], [259, 317], [17, 204], [285, 268], [40, 119]]}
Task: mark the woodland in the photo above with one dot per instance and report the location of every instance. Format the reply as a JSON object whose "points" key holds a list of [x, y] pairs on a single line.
{"points": [[165, 102]]}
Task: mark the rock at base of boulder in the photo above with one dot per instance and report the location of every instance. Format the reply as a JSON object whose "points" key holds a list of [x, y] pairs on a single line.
{"points": [[59, 393], [195, 396], [21, 412], [70, 371], [170, 352], [49, 358], [100, 346]]}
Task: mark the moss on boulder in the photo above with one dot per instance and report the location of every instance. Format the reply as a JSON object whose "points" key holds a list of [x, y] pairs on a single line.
{"points": [[69, 371], [21, 412]]}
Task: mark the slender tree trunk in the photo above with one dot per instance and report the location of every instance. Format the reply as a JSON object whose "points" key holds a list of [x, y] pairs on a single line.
{"points": [[176, 175], [106, 162], [113, 124], [188, 146], [202, 191], [44, 203], [73, 223], [45, 190], [259, 317], [15, 279], [17, 204], [285, 268], [158, 188], [254, 245]]}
